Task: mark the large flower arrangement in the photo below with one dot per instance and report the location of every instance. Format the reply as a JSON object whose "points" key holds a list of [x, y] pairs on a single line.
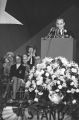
{"points": [[58, 76]]}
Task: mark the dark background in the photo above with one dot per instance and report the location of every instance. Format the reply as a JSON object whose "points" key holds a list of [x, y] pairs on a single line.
{"points": [[36, 14]]}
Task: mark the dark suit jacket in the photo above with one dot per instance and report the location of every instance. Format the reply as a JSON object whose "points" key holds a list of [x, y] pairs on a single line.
{"points": [[19, 73], [55, 33]]}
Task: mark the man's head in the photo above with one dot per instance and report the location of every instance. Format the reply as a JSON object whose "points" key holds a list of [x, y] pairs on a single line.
{"points": [[25, 58], [60, 23], [18, 59], [29, 50]]}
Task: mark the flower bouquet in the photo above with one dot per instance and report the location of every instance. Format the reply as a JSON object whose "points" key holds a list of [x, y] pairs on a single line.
{"points": [[58, 76]]}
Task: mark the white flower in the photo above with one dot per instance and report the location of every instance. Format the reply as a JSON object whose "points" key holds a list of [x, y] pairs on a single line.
{"points": [[47, 59], [39, 82], [44, 85], [38, 66], [77, 90], [51, 72], [64, 85], [75, 82], [49, 87], [74, 70], [42, 72], [32, 70], [55, 98], [36, 91], [68, 91], [33, 84], [63, 60], [58, 72], [74, 101], [51, 92], [30, 76], [47, 74], [31, 89], [68, 75], [73, 77], [57, 90], [55, 65], [58, 82], [60, 87], [72, 90], [40, 93], [65, 30], [53, 77], [49, 68], [37, 73], [61, 78], [39, 78], [26, 90], [48, 80], [28, 83], [43, 65], [62, 71], [65, 103], [54, 82], [72, 83], [36, 99], [33, 81]]}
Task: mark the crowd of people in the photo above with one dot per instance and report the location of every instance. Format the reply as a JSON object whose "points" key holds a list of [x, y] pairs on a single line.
{"points": [[16, 69]]}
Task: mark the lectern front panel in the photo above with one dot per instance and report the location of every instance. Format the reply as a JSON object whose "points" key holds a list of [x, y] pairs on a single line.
{"points": [[58, 47]]}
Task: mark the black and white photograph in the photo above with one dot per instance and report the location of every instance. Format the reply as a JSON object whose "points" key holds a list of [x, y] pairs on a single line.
{"points": [[39, 60]]}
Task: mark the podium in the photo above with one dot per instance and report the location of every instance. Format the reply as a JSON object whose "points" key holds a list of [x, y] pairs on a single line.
{"points": [[54, 47]]}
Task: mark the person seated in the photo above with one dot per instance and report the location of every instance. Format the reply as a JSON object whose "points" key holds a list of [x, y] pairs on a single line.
{"points": [[59, 30], [8, 62], [17, 74]]}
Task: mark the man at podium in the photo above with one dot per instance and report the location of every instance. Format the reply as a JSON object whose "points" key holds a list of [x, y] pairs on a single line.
{"points": [[59, 31], [58, 42]]}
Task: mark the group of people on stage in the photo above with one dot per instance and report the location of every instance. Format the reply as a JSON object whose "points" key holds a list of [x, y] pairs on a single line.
{"points": [[16, 68]]}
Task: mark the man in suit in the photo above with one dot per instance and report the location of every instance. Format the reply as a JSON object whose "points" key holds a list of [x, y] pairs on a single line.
{"points": [[59, 30], [31, 56], [17, 74]]}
